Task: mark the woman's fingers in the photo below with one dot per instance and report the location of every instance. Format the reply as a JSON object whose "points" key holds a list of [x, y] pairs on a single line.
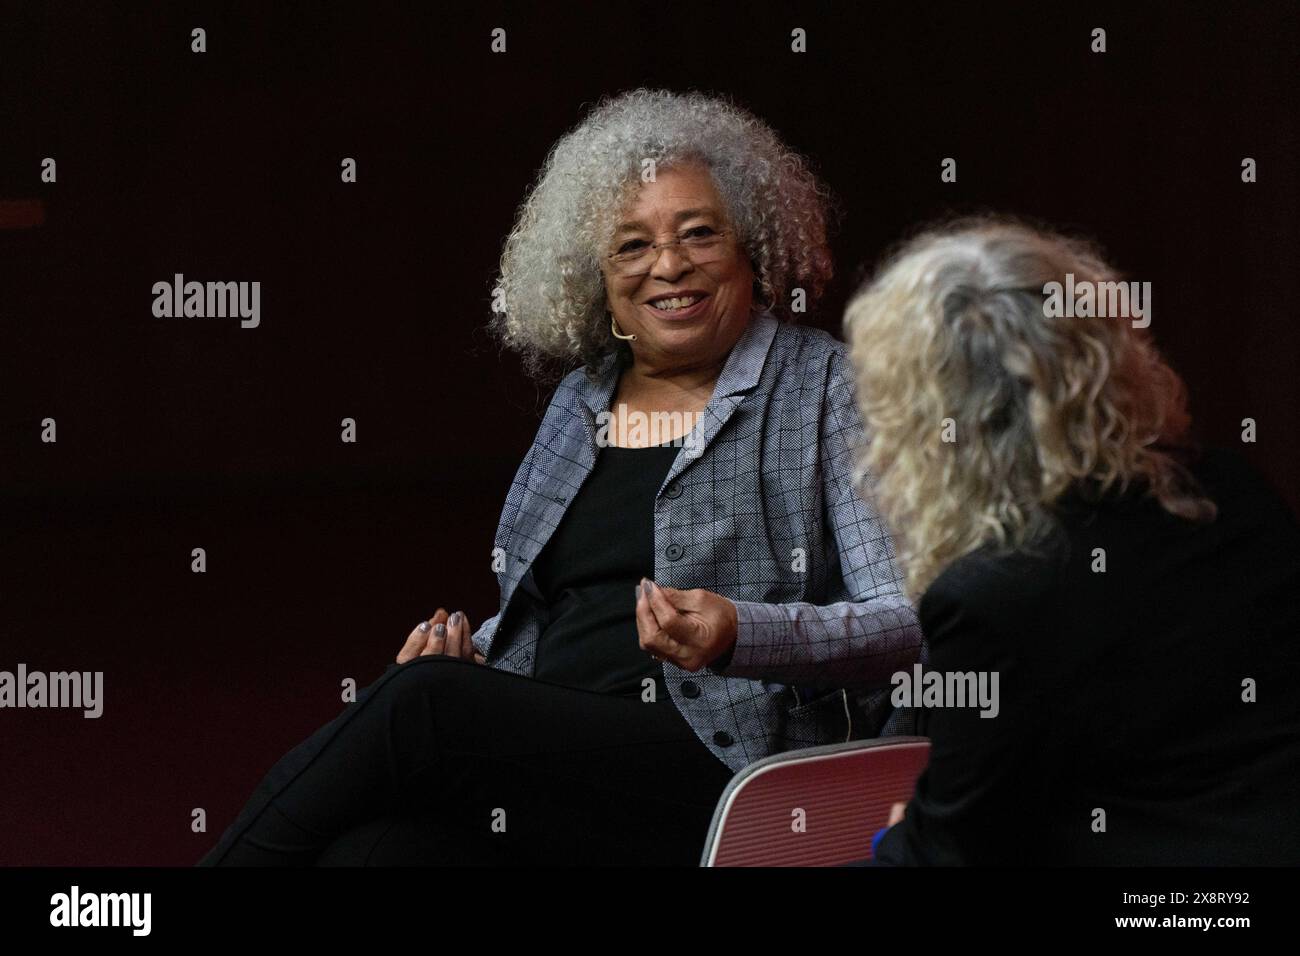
{"points": [[416, 641], [441, 634], [437, 634], [646, 625], [457, 636], [467, 650], [668, 619], [654, 638], [896, 813]]}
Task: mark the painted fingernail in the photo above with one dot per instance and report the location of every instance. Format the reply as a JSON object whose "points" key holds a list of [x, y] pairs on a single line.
{"points": [[440, 630], [454, 620], [638, 592], [423, 627]]}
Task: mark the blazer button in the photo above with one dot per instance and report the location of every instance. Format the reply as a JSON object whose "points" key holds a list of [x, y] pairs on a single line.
{"points": [[723, 739], [673, 491], [673, 552], [690, 689]]}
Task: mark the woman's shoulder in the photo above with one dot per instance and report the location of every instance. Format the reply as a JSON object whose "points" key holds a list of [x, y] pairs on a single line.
{"points": [[991, 584], [1228, 476], [588, 380], [808, 357], [808, 342], [1056, 572], [1006, 580]]}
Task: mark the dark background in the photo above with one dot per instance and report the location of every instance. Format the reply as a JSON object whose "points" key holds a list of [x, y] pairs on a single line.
{"points": [[183, 433]]}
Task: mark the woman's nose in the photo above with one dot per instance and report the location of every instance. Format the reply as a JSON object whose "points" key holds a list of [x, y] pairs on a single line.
{"points": [[669, 263]]}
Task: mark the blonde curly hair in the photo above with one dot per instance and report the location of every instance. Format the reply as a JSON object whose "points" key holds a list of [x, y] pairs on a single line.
{"points": [[953, 332], [549, 297]]}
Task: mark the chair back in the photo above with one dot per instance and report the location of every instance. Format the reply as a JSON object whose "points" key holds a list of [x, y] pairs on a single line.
{"points": [[814, 807]]}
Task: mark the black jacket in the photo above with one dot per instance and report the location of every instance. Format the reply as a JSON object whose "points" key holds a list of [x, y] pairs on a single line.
{"points": [[1121, 692]]}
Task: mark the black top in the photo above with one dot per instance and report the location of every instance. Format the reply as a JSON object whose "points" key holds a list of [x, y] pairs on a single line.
{"points": [[1121, 691], [589, 570]]}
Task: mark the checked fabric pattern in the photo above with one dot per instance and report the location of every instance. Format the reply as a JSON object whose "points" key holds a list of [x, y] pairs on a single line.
{"points": [[764, 513]]}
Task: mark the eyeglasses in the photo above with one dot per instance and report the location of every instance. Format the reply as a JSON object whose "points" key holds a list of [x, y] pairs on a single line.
{"points": [[636, 257]]}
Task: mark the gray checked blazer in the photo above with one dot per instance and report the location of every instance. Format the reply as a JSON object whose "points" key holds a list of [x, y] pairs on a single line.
{"points": [[758, 507]]}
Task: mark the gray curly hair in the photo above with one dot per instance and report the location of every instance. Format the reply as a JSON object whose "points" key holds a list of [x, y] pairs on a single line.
{"points": [[952, 328], [549, 300]]}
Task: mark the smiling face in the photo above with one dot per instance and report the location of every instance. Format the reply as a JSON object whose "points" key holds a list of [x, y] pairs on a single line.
{"points": [[683, 313]]}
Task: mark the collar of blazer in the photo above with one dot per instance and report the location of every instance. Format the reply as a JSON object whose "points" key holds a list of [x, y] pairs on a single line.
{"points": [[553, 485], [739, 373]]}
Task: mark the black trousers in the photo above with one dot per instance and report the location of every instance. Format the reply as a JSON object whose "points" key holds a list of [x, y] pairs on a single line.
{"points": [[443, 761]]}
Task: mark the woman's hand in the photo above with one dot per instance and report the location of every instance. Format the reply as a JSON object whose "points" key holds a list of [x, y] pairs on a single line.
{"points": [[441, 634], [688, 628]]}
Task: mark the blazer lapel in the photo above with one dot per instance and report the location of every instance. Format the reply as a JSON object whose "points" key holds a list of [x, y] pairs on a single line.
{"points": [[739, 374], [561, 469]]}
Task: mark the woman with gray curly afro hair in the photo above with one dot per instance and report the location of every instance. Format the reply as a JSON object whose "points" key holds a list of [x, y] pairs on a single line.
{"points": [[688, 582], [550, 302]]}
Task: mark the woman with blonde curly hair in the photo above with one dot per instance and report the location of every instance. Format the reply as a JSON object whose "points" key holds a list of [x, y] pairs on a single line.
{"points": [[1135, 598], [688, 581]]}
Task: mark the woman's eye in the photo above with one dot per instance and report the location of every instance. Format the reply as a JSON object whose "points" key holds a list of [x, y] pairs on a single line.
{"points": [[698, 232], [632, 245]]}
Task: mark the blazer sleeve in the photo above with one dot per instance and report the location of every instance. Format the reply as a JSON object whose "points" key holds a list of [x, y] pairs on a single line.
{"points": [[855, 643], [976, 802], [505, 528]]}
